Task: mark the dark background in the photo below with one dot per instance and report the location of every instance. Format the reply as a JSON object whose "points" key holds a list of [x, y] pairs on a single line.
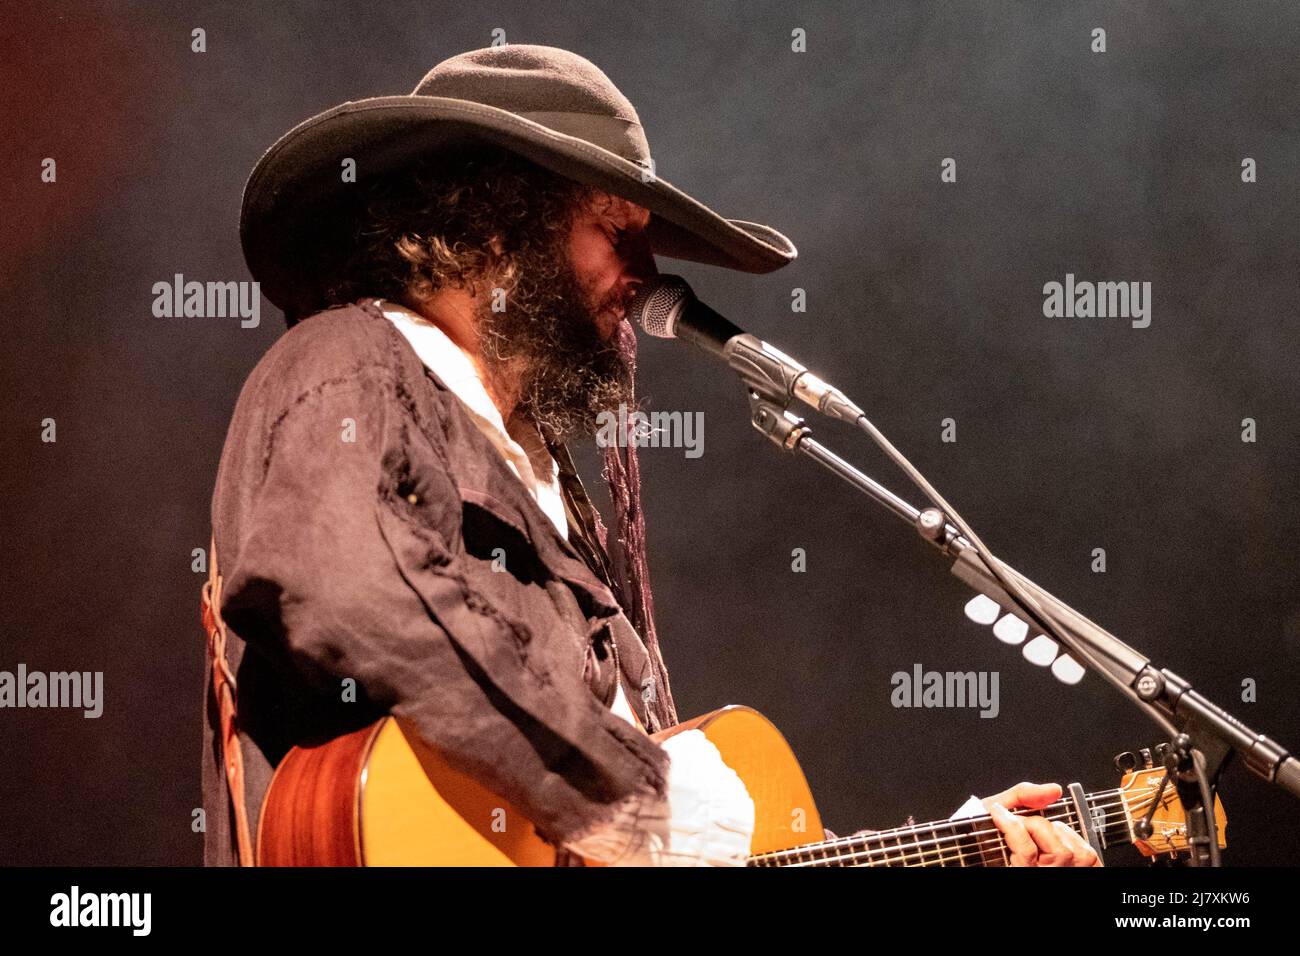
{"points": [[925, 302]]}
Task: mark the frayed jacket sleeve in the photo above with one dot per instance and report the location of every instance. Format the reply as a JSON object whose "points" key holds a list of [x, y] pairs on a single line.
{"points": [[349, 564]]}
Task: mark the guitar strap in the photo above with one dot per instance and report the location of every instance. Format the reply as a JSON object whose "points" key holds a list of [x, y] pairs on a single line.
{"points": [[223, 692]]}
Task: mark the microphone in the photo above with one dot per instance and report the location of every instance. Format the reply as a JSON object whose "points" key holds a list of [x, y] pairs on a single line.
{"points": [[665, 307]]}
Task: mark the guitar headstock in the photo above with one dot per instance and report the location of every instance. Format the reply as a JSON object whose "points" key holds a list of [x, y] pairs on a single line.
{"points": [[1140, 789]]}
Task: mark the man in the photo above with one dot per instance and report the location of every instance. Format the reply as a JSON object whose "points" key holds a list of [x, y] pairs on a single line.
{"points": [[397, 522]]}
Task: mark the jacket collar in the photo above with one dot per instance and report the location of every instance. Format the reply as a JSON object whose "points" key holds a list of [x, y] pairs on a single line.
{"points": [[518, 441], [483, 478]]}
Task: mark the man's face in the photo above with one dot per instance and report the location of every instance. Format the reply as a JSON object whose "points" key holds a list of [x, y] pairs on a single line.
{"points": [[611, 256], [555, 342]]}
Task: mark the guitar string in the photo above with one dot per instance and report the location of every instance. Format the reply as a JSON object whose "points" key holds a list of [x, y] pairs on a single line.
{"points": [[859, 846], [923, 852], [1095, 802], [919, 851], [852, 841], [985, 851]]}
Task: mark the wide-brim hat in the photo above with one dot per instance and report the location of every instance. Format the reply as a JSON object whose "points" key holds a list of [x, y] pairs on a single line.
{"points": [[546, 104]]}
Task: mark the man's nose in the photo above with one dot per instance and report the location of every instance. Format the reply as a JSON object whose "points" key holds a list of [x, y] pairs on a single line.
{"points": [[640, 264]]}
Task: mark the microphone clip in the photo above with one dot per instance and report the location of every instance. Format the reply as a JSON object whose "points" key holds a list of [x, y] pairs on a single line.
{"points": [[774, 376], [766, 372], [781, 426]]}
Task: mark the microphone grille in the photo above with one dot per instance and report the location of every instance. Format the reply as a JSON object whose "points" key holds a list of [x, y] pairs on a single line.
{"points": [[657, 304]]}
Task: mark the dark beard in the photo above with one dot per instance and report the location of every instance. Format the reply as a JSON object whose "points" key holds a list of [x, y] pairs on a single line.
{"points": [[546, 347]]}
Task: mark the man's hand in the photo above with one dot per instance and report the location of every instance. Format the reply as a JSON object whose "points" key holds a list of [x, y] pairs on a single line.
{"points": [[1035, 840]]}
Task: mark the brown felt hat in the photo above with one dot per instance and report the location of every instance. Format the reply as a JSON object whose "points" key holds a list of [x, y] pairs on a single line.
{"points": [[548, 105]]}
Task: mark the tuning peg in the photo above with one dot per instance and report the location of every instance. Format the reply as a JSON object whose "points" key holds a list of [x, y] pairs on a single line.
{"points": [[982, 609], [1126, 761]]}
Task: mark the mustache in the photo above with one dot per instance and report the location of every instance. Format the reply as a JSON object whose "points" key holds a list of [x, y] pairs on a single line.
{"points": [[615, 301]]}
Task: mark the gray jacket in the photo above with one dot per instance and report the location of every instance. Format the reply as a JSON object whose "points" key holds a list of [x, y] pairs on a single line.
{"points": [[358, 513]]}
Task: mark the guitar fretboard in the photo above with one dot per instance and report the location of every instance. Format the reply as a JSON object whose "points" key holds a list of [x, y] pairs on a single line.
{"points": [[972, 841]]}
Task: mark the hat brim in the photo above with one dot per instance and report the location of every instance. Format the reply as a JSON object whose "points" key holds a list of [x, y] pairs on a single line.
{"points": [[297, 210]]}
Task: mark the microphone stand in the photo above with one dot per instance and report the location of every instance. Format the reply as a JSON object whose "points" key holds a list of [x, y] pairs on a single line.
{"points": [[1204, 735]]}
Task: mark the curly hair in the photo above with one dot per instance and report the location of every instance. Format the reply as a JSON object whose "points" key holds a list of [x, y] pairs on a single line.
{"points": [[453, 221]]}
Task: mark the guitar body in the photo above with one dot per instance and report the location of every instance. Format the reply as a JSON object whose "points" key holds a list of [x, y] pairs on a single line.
{"points": [[381, 797]]}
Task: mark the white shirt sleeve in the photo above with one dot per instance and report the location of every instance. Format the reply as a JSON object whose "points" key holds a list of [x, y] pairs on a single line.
{"points": [[705, 819]]}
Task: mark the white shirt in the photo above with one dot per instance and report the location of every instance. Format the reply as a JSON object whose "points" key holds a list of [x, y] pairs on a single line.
{"points": [[707, 816], [519, 442]]}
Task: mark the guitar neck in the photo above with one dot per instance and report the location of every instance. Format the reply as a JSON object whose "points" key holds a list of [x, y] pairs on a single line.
{"points": [[972, 841]]}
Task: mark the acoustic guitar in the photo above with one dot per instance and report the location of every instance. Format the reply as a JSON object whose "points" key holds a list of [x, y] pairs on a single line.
{"points": [[381, 797]]}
